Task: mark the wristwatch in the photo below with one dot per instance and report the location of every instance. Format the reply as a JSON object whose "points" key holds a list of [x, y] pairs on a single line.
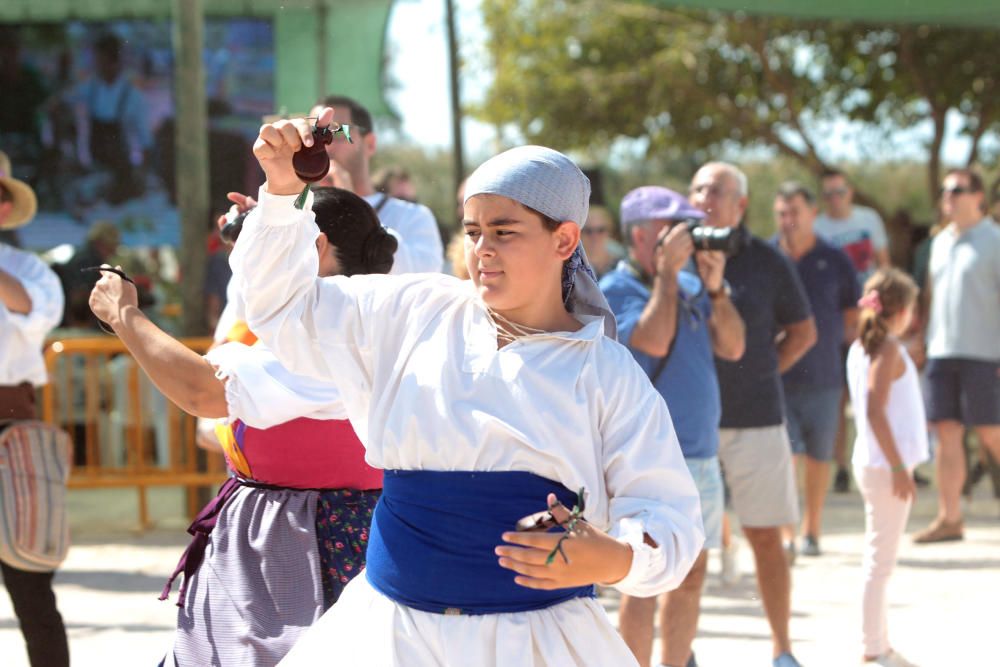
{"points": [[724, 290]]}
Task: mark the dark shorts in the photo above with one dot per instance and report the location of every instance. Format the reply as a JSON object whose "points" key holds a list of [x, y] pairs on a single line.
{"points": [[965, 390], [812, 415]]}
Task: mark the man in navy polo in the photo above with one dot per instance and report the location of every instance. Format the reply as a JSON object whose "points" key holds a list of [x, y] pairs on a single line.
{"points": [[673, 312], [813, 385], [753, 441]]}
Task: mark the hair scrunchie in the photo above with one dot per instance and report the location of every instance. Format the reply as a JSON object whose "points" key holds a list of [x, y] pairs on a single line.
{"points": [[872, 301]]}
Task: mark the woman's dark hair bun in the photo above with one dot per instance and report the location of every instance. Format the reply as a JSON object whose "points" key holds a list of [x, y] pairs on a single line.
{"points": [[362, 244], [378, 250]]}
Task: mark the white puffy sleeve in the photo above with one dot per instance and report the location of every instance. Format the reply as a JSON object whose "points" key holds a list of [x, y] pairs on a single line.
{"points": [[43, 288], [313, 325], [651, 491], [347, 328], [262, 393]]}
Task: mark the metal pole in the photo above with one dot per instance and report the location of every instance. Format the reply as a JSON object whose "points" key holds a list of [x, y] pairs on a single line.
{"points": [[192, 159], [458, 151]]}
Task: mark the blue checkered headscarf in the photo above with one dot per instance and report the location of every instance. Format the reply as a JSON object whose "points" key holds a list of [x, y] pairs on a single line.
{"points": [[550, 183]]}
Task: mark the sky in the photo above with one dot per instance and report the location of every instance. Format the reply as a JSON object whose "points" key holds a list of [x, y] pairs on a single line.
{"points": [[417, 47]]}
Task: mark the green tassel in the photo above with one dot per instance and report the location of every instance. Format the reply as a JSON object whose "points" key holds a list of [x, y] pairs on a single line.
{"points": [[300, 201]]}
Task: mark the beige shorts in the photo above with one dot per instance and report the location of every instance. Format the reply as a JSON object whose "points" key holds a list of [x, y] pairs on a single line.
{"points": [[757, 465]]}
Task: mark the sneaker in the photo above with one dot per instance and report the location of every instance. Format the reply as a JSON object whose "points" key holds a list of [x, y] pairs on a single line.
{"points": [[730, 573], [842, 480], [786, 660], [940, 531], [810, 546], [790, 552], [891, 659]]}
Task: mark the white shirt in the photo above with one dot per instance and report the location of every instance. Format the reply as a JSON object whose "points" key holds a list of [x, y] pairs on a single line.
{"points": [[420, 248], [904, 410], [860, 235], [262, 393], [425, 387], [23, 336]]}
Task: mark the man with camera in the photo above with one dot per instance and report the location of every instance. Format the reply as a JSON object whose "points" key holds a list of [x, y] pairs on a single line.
{"points": [[413, 225], [753, 442], [673, 312]]}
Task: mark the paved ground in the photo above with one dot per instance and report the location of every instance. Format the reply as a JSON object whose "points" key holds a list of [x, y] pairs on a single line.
{"points": [[944, 598]]}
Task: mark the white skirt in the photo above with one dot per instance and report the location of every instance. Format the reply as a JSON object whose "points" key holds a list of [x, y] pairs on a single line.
{"points": [[367, 628]]}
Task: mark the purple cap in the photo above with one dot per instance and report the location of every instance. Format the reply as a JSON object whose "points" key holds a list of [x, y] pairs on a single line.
{"points": [[651, 202]]}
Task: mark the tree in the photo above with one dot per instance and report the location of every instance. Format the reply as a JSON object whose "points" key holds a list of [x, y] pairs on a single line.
{"points": [[584, 73]]}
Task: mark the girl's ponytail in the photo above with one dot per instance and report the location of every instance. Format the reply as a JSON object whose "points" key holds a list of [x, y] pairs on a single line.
{"points": [[887, 293]]}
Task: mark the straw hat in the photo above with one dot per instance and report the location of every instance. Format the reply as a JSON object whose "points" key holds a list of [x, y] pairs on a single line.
{"points": [[24, 200]]}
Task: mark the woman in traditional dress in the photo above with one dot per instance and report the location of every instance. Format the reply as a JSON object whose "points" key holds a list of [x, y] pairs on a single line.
{"points": [[484, 401], [287, 531]]}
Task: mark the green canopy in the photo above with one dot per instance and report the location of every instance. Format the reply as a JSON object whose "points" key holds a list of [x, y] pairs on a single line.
{"points": [[978, 13]]}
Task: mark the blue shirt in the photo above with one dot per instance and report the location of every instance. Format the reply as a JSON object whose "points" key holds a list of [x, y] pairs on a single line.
{"points": [[832, 286], [768, 294], [687, 383]]}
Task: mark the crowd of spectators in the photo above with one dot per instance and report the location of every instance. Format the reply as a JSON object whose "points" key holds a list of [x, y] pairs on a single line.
{"points": [[746, 341]]}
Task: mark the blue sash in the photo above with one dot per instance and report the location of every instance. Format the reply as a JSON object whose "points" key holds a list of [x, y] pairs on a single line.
{"points": [[433, 535]]}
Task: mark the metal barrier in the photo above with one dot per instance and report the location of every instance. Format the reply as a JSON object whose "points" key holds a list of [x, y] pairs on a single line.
{"points": [[125, 432]]}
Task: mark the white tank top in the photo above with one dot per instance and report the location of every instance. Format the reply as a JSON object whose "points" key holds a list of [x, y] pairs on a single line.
{"points": [[905, 411]]}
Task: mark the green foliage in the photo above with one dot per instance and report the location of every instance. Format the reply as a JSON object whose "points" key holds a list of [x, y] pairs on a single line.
{"points": [[691, 84]]}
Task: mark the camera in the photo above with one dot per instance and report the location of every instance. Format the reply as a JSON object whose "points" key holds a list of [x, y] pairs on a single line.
{"points": [[230, 231], [724, 239]]}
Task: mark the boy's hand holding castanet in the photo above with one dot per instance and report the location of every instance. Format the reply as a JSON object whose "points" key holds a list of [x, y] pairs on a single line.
{"points": [[586, 556], [276, 145]]}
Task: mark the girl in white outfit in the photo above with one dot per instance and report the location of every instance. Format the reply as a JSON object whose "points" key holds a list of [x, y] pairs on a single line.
{"points": [[483, 400], [891, 442]]}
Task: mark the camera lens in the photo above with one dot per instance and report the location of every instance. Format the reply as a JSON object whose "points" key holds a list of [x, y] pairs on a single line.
{"points": [[713, 238]]}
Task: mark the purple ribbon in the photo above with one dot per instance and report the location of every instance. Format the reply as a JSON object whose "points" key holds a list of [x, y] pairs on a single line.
{"points": [[200, 528]]}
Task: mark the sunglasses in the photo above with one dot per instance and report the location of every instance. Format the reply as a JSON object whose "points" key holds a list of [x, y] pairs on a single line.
{"points": [[836, 192], [595, 231], [955, 191]]}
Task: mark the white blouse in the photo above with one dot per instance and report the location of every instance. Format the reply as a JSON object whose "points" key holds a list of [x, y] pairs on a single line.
{"points": [[23, 336], [426, 388], [904, 410], [261, 393]]}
